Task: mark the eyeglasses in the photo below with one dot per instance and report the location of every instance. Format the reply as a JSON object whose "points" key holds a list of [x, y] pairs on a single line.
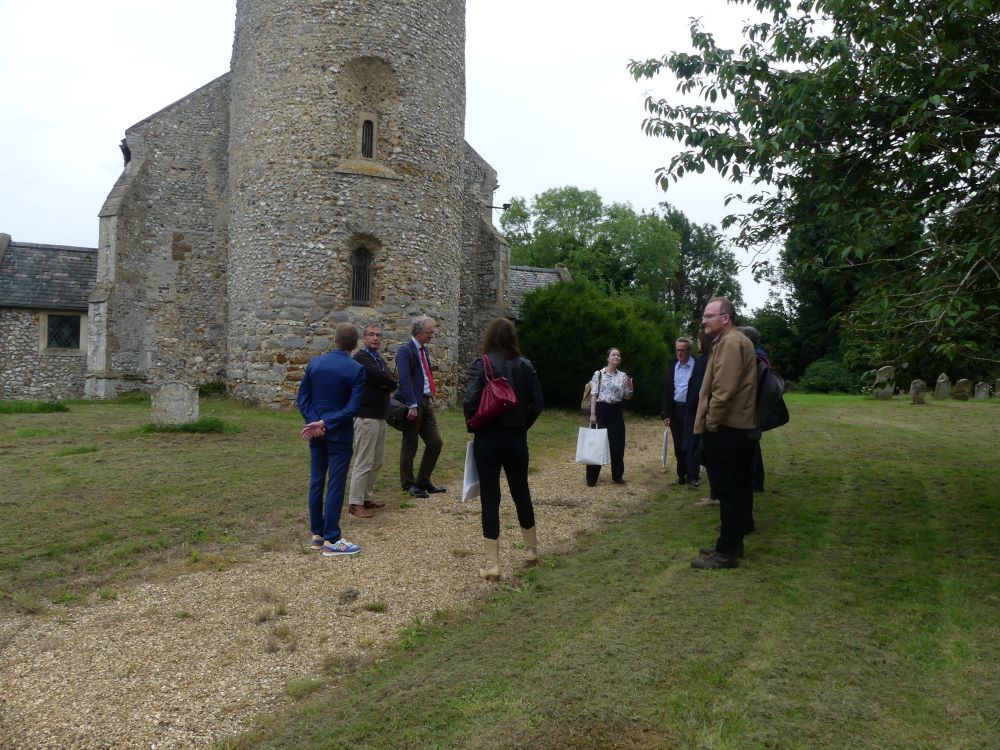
{"points": [[712, 315]]}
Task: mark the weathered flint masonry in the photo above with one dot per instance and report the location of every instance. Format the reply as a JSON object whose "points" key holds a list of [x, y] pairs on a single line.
{"points": [[324, 178]]}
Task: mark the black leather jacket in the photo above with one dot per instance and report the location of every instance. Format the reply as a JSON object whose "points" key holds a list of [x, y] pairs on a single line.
{"points": [[523, 379]]}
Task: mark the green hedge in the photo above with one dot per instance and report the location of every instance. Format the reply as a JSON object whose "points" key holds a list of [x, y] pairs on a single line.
{"points": [[567, 328], [828, 376]]}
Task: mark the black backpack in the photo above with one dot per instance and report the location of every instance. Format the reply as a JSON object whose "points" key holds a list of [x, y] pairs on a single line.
{"points": [[771, 409]]}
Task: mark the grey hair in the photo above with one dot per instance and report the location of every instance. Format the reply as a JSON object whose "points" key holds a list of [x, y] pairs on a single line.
{"points": [[685, 339], [751, 333], [419, 324], [372, 325]]}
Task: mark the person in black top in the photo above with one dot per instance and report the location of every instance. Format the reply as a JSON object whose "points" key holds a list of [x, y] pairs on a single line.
{"points": [[369, 424], [503, 443]]}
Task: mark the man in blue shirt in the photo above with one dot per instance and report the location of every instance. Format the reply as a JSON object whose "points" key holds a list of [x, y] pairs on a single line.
{"points": [[675, 396], [328, 400]]}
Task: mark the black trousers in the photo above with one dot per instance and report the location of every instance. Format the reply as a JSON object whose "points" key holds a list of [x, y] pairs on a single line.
{"points": [[425, 427], [498, 448], [687, 465], [611, 418], [728, 456]]}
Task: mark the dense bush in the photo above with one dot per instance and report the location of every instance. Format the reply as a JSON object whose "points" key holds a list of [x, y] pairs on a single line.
{"points": [[31, 407], [828, 376], [567, 328]]}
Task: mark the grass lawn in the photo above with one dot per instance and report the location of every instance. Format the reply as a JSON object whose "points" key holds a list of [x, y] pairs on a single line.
{"points": [[867, 615], [91, 498]]}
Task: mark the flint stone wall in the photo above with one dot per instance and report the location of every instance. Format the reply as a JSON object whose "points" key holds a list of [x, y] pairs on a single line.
{"points": [[27, 374], [226, 244]]}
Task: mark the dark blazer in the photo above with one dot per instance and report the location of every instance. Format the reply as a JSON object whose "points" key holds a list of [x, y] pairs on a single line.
{"points": [[523, 379], [379, 383], [330, 390], [668, 388], [410, 373], [691, 405]]}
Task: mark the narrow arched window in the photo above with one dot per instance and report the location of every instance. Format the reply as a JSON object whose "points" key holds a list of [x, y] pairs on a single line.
{"points": [[361, 277], [368, 139]]}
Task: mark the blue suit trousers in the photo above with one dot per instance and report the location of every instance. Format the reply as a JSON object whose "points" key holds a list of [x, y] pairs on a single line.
{"points": [[328, 467]]}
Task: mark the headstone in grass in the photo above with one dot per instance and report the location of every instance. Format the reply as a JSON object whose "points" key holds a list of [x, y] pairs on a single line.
{"points": [[884, 385], [943, 387], [918, 392], [963, 389], [982, 391], [174, 403]]}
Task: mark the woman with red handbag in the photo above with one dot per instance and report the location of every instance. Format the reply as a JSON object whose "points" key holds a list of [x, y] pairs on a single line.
{"points": [[501, 442]]}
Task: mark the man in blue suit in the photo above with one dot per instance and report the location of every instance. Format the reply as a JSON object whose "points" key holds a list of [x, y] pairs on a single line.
{"points": [[328, 399], [417, 389]]}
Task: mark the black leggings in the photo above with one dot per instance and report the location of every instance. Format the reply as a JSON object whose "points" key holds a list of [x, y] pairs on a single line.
{"points": [[496, 448], [610, 417]]}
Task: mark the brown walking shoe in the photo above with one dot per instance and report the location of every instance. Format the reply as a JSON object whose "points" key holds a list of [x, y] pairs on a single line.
{"points": [[360, 511], [373, 504]]}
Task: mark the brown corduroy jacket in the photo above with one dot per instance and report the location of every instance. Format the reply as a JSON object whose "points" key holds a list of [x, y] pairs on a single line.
{"points": [[728, 395]]}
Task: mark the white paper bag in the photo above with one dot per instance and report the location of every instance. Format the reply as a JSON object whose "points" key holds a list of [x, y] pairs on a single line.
{"points": [[592, 447], [470, 482], [666, 443]]}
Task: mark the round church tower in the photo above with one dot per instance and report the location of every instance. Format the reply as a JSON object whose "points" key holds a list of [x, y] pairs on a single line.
{"points": [[347, 123]]}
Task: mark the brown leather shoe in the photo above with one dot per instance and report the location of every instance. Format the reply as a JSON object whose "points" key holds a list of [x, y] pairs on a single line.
{"points": [[373, 504], [360, 511]]}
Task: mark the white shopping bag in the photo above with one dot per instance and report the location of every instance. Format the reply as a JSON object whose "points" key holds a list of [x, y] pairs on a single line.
{"points": [[666, 442], [592, 447], [470, 482]]}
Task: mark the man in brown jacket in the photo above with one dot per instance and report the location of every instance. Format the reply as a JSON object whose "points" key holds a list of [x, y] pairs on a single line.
{"points": [[727, 405]]}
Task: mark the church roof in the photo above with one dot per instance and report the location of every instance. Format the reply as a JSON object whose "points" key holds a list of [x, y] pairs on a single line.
{"points": [[526, 279], [46, 277]]}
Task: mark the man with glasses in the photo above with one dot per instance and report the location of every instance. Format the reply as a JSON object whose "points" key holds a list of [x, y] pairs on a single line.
{"points": [[417, 389], [369, 424], [675, 397], [725, 420]]}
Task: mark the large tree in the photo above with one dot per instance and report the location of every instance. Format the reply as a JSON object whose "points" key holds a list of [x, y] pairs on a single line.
{"points": [[869, 132], [615, 248]]}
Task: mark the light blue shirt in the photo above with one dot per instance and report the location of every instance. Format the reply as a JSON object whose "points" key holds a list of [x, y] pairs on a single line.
{"points": [[682, 376]]}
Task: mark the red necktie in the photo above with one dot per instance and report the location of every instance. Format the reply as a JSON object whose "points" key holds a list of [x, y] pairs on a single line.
{"points": [[427, 370]]}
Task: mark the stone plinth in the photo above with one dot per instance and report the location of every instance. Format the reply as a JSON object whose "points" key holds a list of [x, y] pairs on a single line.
{"points": [[918, 392], [174, 403]]}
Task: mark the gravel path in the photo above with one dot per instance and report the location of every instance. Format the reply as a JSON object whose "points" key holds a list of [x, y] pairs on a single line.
{"points": [[185, 662]]}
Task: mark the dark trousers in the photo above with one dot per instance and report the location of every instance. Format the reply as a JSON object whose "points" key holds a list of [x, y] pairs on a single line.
{"points": [[425, 427], [328, 465], [758, 469], [687, 465], [611, 418], [728, 456], [499, 448]]}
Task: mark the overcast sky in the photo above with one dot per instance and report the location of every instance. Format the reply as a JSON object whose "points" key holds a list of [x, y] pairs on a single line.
{"points": [[549, 102]]}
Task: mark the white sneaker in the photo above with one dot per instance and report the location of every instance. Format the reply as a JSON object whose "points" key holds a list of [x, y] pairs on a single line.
{"points": [[317, 543], [339, 548], [706, 502]]}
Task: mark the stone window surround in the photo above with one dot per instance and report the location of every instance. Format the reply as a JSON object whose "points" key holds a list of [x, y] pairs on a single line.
{"points": [[43, 334]]}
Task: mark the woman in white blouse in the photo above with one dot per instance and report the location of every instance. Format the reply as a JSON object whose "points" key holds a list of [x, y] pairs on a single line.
{"points": [[608, 388]]}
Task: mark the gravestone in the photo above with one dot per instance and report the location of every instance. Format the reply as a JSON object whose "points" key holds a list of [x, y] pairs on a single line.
{"points": [[918, 392], [943, 387], [963, 389], [884, 383], [174, 403], [982, 391]]}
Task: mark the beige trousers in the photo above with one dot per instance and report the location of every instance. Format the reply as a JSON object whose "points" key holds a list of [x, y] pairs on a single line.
{"points": [[369, 450]]}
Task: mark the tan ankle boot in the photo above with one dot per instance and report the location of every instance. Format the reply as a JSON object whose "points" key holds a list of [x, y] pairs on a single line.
{"points": [[530, 546], [492, 570]]}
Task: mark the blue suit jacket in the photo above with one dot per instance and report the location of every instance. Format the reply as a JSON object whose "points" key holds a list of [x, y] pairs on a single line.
{"points": [[330, 390], [410, 373]]}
